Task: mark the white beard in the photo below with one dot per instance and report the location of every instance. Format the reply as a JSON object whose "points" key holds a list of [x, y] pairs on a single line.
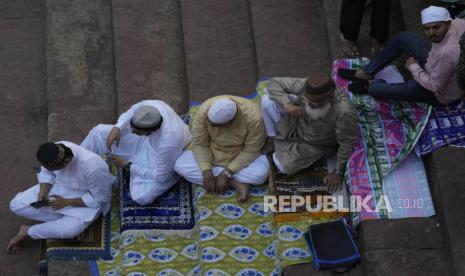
{"points": [[317, 113]]}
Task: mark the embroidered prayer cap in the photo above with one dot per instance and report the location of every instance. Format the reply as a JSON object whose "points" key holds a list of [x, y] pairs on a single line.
{"points": [[146, 118], [434, 14], [319, 83], [222, 111], [51, 155]]}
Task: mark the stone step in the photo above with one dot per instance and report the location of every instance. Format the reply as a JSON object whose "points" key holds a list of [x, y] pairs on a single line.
{"points": [[149, 53], [405, 262], [219, 48], [446, 174], [290, 37], [80, 70], [407, 233], [23, 115]]}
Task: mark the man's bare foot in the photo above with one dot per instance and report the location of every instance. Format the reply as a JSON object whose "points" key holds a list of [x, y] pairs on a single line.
{"points": [[242, 189], [14, 246], [268, 146], [360, 74]]}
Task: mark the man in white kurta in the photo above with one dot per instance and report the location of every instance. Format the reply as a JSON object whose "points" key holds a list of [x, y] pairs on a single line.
{"points": [[78, 186], [149, 137]]}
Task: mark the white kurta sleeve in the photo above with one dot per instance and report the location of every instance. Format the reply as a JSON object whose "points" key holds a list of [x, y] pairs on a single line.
{"points": [[162, 169], [46, 176], [100, 183]]}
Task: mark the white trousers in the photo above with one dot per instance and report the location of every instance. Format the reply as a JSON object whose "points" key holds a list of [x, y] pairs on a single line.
{"points": [[255, 173], [54, 226], [142, 192], [272, 112]]}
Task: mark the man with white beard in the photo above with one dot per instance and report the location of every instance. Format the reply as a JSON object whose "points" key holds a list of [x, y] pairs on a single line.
{"points": [[307, 119]]}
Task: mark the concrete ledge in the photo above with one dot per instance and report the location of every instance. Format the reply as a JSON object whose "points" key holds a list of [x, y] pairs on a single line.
{"points": [[80, 76], [218, 47], [149, 54], [408, 233], [290, 37], [406, 262]]}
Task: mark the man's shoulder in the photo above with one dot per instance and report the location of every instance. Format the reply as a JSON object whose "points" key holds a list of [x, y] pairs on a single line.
{"points": [[343, 103]]}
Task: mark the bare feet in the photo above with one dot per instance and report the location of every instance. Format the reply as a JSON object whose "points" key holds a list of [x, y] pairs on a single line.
{"points": [[349, 48], [376, 47], [268, 146], [14, 246], [242, 189]]}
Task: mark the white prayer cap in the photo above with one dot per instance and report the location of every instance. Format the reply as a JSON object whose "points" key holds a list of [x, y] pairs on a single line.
{"points": [[434, 14], [146, 117], [222, 111]]}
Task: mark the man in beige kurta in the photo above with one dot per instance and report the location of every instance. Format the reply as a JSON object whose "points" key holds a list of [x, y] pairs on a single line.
{"points": [[228, 134], [308, 119]]}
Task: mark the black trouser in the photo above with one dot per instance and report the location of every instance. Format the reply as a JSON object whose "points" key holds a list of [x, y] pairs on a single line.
{"points": [[351, 18]]}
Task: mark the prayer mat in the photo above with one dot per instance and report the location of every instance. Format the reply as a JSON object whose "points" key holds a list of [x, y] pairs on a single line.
{"points": [[92, 244], [388, 132], [445, 127], [171, 211]]}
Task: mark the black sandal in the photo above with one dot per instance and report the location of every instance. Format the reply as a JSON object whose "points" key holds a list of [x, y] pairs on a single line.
{"points": [[359, 87]]}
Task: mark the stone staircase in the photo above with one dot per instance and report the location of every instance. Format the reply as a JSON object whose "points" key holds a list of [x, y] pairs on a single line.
{"points": [[70, 64]]}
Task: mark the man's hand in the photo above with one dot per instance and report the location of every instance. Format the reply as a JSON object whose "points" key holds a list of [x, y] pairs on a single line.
{"points": [[119, 161], [222, 183], [57, 202], [209, 181], [43, 191], [410, 61], [294, 110], [114, 135], [334, 182]]}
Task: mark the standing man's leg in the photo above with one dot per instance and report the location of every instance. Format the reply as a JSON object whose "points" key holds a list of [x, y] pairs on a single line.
{"points": [[410, 91], [379, 30], [350, 20]]}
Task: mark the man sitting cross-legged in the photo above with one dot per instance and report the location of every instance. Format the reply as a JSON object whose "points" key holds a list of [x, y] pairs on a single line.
{"points": [[306, 120], [228, 134], [77, 184], [145, 141]]}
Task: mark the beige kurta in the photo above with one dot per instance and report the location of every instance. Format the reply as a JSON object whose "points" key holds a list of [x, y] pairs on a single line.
{"points": [[301, 142], [234, 146]]}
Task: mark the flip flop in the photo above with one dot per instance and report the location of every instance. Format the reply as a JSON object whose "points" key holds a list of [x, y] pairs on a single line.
{"points": [[359, 87]]}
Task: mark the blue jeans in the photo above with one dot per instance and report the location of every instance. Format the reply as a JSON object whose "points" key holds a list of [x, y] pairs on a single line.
{"points": [[413, 46]]}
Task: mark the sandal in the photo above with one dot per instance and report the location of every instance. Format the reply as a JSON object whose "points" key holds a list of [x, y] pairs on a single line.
{"points": [[359, 87], [349, 48]]}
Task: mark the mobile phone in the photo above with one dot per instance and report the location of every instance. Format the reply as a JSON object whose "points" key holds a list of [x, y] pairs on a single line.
{"points": [[40, 203]]}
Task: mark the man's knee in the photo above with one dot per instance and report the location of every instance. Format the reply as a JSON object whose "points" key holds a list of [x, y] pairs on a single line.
{"points": [[141, 198], [16, 205], [404, 36], [72, 228], [267, 104], [100, 130]]}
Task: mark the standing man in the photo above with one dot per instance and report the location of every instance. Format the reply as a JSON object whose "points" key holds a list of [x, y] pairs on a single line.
{"points": [[145, 141], [306, 120], [433, 66], [228, 134], [77, 184]]}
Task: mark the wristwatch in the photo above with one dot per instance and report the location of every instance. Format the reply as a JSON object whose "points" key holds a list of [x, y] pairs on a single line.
{"points": [[228, 173]]}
